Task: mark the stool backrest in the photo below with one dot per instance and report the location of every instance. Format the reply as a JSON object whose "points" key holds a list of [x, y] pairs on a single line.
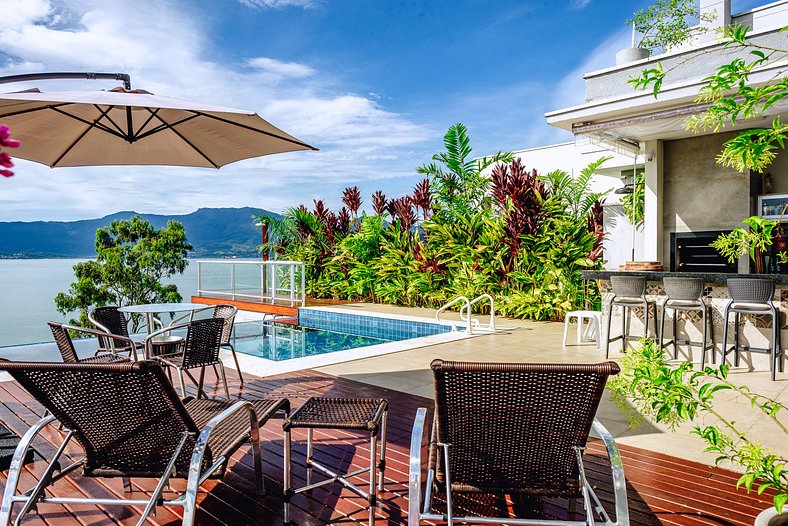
{"points": [[683, 289], [750, 290], [628, 286]]}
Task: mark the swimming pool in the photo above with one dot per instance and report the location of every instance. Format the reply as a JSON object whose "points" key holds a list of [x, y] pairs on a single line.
{"points": [[317, 332]]}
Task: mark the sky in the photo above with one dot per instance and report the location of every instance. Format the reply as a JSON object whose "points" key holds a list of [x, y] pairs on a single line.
{"points": [[374, 84]]}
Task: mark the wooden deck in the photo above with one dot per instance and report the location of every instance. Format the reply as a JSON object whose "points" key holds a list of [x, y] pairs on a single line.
{"points": [[662, 489]]}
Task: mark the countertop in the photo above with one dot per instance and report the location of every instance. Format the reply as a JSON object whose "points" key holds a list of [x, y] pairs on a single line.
{"points": [[708, 277]]}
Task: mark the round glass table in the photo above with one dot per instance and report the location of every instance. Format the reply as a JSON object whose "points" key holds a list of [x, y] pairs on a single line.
{"points": [[164, 343]]}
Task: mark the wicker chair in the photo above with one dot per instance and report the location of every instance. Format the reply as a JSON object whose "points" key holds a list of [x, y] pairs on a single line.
{"points": [[199, 350], [512, 429], [104, 354], [227, 313], [110, 320], [141, 429]]}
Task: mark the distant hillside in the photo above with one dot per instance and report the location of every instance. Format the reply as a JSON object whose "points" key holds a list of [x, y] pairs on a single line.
{"points": [[214, 232]]}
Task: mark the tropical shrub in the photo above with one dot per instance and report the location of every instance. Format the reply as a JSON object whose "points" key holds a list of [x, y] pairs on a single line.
{"points": [[519, 236], [652, 386]]}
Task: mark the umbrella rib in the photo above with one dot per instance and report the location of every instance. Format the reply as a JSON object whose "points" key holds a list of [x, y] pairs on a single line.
{"points": [[31, 110], [165, 125], [153, 113], [106, 114], [96, 124], [71, 146], [184, 139], [250, 128]]}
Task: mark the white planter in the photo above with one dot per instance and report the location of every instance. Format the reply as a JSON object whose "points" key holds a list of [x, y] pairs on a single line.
{"points": [[631, 55], [769, 517]]}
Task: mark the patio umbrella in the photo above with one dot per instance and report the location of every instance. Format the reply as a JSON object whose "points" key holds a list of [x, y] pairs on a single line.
{"points": [[134, 127]]}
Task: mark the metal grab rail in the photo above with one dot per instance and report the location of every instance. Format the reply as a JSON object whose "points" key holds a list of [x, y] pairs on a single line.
{"points": [[466, 313], [452, 302], [467, 308], [276, 281]]}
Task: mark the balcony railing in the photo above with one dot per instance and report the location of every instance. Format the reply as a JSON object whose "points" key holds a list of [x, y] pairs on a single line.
{"points": [[272, 282]]}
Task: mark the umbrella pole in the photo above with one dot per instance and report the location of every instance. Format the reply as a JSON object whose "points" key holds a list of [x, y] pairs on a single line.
{"points": [[123, 77]]}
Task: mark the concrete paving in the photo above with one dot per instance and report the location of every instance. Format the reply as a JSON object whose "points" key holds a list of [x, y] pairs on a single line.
{"points": [[541, 342]]}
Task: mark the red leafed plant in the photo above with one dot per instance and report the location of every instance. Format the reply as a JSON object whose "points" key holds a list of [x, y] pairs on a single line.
{"points": [[596, 227], [379, 202], [6, 142], [401, 209], [519, 194], [352, 199], [422, 198]]}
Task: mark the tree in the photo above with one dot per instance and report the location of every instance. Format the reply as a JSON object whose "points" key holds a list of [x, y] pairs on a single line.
{"points": [[132, 258], [731, 96]]}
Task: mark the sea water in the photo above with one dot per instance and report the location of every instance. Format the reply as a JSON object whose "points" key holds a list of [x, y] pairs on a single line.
{"points": [[27, 296]]}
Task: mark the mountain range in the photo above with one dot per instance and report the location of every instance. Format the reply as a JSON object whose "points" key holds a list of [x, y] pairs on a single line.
{"points": [[214, 232]]}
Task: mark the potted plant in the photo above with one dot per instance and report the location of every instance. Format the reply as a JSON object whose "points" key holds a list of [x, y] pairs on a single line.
{"points": [[650, 386], [753, 241]]}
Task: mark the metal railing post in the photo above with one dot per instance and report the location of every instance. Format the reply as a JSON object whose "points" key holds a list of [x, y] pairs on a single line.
{"points": [[292, 284], [199, 278], [232, 279], [303, 284]]}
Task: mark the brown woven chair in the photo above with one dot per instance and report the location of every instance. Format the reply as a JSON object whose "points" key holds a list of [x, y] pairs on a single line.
{"points": [[198, 350], [141, 429], [227, 313], [110, 320], [512, 429], [123, 351]]}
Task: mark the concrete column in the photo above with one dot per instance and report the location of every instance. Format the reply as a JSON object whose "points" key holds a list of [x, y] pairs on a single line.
{"points": [[652, 212]]}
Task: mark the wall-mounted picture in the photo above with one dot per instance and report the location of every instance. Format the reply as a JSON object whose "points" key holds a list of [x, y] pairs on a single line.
{"points": [[771, 206]]}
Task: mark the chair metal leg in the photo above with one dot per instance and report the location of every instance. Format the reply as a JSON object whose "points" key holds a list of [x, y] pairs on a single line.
{"points": [[286, 482], [224, 380], [382, 463], [372, 482], [676, 335], [662, 327], [725, 334], [703, 340], [736, 318], [775, 341], [607, 332], [711, 336], [183, 383], [566, 329], [310, 450], [235, 359]]}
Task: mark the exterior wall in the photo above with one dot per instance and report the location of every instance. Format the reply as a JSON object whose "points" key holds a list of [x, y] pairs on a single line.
{"points": [[699, 194], [618, 237]]}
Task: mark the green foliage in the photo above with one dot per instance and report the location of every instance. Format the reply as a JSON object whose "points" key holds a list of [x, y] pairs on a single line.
{"points": [[741, 241], [132, 258], [634, 204], [729, 93], [649, 386], [522, 238], [456, 178], [664, 24]]}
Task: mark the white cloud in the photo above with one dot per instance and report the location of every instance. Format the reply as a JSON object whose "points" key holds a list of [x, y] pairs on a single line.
{"points": [[579, 4], [164, 49], [281, 69], [280, 4]]}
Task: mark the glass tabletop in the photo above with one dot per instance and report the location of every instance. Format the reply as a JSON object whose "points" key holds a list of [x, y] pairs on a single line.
{"points": [[150, 308]]}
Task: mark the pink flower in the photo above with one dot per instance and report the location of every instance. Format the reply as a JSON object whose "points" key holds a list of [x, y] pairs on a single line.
{"points": [[6, 173], [5, 160]]}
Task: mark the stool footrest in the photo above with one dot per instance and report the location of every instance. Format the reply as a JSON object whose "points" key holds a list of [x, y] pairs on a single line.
{"points": [[335, 477]]}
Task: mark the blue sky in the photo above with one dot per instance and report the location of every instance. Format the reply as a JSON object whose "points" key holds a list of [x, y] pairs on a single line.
{"points": [[373, 83]]}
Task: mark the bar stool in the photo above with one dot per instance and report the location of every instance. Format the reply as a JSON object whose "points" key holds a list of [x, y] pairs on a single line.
{"points": [[362, 414], [686, 294], [628, 292], [752, 296]]}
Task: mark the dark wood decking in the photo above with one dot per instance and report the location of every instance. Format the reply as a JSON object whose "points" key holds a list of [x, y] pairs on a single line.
{"points": [[662, 489]]}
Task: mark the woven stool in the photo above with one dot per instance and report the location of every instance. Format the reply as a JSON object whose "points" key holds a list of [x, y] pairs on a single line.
{"points": [[362, 414], [752, 296], [686, 294], [592, 332], [629, 292]]}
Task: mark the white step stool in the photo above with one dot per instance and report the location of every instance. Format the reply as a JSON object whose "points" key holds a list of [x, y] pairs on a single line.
{"points": [[592, 332]]}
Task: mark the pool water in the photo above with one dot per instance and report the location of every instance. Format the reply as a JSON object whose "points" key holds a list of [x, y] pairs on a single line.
{"points": [[280, 341]]}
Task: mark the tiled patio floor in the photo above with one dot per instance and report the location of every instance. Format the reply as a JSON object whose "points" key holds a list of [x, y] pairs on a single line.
{"points": [[662, 489]]}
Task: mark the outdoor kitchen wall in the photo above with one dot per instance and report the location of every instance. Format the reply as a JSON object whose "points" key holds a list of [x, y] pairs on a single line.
{"points": [[699, 194]]}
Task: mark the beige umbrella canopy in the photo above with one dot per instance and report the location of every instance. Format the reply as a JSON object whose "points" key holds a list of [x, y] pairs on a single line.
{"points": [[133, 127]]}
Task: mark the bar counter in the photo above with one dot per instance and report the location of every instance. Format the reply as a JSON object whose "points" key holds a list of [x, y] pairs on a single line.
{"points": [[755, 329]]}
